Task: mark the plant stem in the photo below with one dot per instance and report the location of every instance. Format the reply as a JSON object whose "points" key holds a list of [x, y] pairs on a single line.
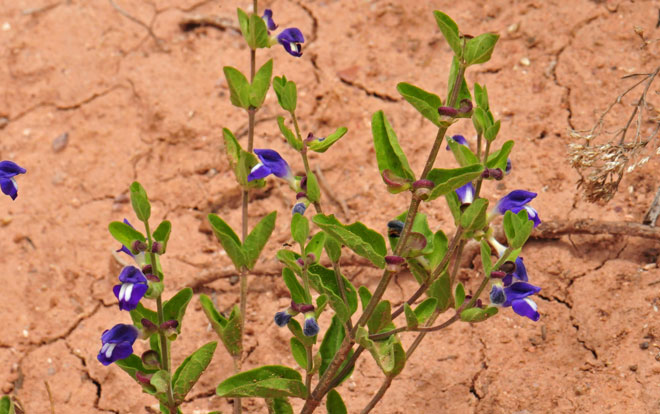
{"points": [[342, 291], [381, 391], [303, 154], [310, 366]]}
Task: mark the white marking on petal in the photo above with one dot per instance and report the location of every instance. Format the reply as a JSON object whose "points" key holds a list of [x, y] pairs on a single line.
{"points": [[13, 181], [530, 212], [256, 167], [294, 47], [122, 291], [104, 348], [129, 291], [531, 304], [108, 352], [469, 195]]}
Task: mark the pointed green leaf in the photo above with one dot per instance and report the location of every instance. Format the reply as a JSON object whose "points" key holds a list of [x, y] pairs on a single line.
{"points": [[257, 239], [315, 245], [459, 295], [140, 202], [175, 308], [480, 48], [261, 84], [454, 205], [425, 102], [449, 30], [365, 296], [334, 404], [332, 341], [321, 303], [313, 189], [162, 234], [411, 317], [381, 319], [228, 330], [449, 180], [287, 94], [322, 146], [485, 257], [325, 281], [258, 33], [299, 353], [491, 133], [289, 259], [239, 87], [277, 406], [481, 96], [244, 23], [7, 405], [240, 161], [474, 217], [270, 381], [190, 370], [462, 153], [124, 233], [294, 286], [388, 353], [229, 241], [499, 157], [424, 310], [474, 315], [389, 154], [358, 237], [440, 243], [288, 134], [160, 381], [299, 228], [441, 290]]}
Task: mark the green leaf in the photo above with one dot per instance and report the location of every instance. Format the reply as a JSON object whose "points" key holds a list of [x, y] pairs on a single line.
{"points": [[287, 94], [491, 133], [162, 233], [447, 181], [440, 289], [328, 280], [499, 157], [295, 288], [485, 257], [296, 330], [425, 102], [462, 153], [243, 21], [256, 240], [160, 380], [288, 134], [313, 189], [270, 381], [522, 233], [299, 228], [381, 319], [365, 296], [481, 96], [277, 406], [358, 237], [125, 234], [389, 154], [140, 202], [474, 217], [315, 245], [440, 243], [140, 312], [449, 30], [132, 365], [388, 353], [239, 87], [322, 146], [289, 259], [454, 205], [332, 341], [480, 48], [299, 352], [190, 370], [240, 161], [463, 91], [7, 405], [459, 295], [424, 310], [175, 308], [480, 120], [228, 330], [334, 404], [411, 317], [261, 84], [509, 222], [474, 315], [229, 241], [258, 33], [321, 303]]}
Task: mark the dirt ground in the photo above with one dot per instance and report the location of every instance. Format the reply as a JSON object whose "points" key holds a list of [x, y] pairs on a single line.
{"points": [[137, 110]]}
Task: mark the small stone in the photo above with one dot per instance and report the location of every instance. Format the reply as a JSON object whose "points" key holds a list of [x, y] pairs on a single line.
{"points": [[644, 345], [513, 28], [60, 142], [633, 368], [3, 121], [4, 221], [6, 27], [525, 61], [649, 266]]}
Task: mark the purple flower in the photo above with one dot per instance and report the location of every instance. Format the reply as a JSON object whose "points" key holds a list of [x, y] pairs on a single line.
{"points": [[8, 170], [132, 289], [140, 258], [508, 166], [299, 208], [466, 193], [268, 18], [515, 291], [282, 318], [117, 343], [291, 39], [271, 163], [311, 328], [519, 274], [460, 139], [516, 201]]}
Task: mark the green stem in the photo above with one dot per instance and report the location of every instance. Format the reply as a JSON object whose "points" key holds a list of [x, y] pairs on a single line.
{"points": [[310, 366], [381, 392], [342, 291]]}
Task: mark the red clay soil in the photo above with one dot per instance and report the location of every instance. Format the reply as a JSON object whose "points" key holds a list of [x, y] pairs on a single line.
{"points": [[135, 109]]}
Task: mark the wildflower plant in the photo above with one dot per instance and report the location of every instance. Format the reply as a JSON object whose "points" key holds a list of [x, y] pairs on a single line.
{"points": [[326, 353]]}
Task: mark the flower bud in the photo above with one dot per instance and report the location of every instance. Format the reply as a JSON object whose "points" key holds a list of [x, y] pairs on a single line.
{"points": [[394, 228], [169, 329], [311, 258], [508, 267], [422, 188], [466, 106], [147, 269], [143, 378], [494, 173], [497, 295], [448, 111], [300, 261], [299, 208], [282, 318], [497, 274], [157, 247], [394, 184], [394, 263], [148, 328], [301, 307], [303, 183], [151, 359], [138, 247], [311, 328]]}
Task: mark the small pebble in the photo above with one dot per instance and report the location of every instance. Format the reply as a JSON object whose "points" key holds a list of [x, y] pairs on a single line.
{"points": [[60, 142], [633, 368], [513, 28], [3, 121], [525, 61], [6, 26]]}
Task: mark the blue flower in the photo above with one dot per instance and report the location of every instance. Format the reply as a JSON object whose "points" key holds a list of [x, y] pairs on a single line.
{"points": [[268, 18], [271, 163], [508, 166], [515, 291], [311, 328], [299, 208], [8, 170], [282, 318], [460, 139], [516, 201], [466, 193], [519, 274], [132, 289], [291, 39], [117, 343]]}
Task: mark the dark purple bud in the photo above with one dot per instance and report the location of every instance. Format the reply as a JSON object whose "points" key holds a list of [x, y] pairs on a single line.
{"points": [[300, 261], [497, 274], [508, 267], [173, 323], [394, 263], [151, 358], [311, 328], [423, 184], [422, 188], [147, 269], [148, 325], [301, 194], [394, 228], [303, 182], [508, 166], [282, 318], [494, 173], [311, 258], [479, 303], [152, 278], [465, 107], [157, 247], [138, 247], [310, 137], [299, 208], [301, 307], [448, 111], [143, 378]]}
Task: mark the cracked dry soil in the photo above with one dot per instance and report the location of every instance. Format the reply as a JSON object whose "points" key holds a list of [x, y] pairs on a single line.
{"points": [[137, 110]]}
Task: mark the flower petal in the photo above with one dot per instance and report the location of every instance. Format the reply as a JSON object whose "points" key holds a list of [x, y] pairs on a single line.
{"points": [[8, 186], [466, 193], [526, 307], [131, 274], [258, 172], [9, 169]]}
